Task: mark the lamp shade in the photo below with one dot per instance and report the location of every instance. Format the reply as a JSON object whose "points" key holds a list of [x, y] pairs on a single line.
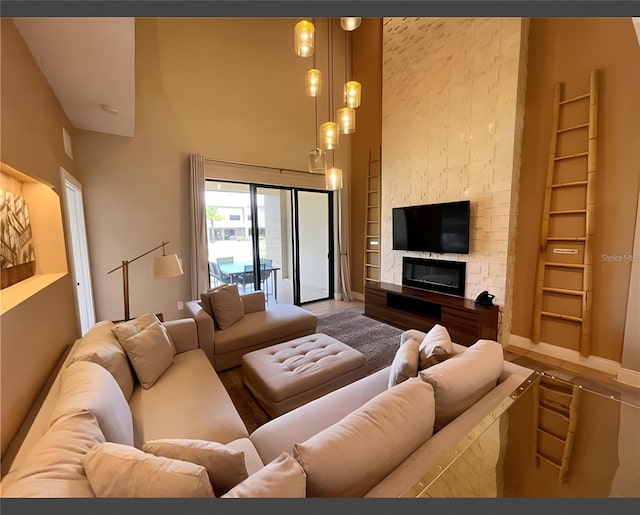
{"points": [[352, 93], [350, 23], [333, 179], [313, 82], [304, 38], [329, 135], [347, 120], [167, 266], [317, 161]]}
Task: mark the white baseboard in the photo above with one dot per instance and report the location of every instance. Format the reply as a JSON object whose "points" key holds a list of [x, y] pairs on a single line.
{"points": [[630, 377], [595, 362]]}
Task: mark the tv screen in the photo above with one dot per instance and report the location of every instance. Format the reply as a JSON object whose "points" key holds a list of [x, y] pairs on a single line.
{"points": [[442, 228]]}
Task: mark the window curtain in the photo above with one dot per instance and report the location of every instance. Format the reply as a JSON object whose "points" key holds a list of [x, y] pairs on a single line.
{"points": [[343, 247], [198, 239]]}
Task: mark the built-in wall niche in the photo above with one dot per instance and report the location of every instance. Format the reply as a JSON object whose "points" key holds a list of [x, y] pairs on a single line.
{"points": [[46, 232]]}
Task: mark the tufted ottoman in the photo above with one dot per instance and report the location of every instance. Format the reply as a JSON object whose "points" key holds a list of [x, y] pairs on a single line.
{"points": [[290, 374]]}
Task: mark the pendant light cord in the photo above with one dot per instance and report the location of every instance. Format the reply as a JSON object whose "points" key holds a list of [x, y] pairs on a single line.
{"points": [[330, 59], [315, 98]]}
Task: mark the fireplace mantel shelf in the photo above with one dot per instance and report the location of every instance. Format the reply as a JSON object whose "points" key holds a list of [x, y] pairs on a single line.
{"points": [[407, 307]]}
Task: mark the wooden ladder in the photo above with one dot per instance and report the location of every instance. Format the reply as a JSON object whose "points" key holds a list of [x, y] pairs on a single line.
{"points": [[555, 420], [372, 222], [569, 198]]}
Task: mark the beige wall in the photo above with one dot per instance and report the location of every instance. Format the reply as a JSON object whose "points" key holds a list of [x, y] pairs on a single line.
{"points": [[449, 132], [227, 89], [566, 50], [35, 333]]}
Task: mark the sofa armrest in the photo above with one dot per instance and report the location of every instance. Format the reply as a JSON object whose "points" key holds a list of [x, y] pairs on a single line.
{"points": [[253, 302], [184, 334], [204, 324]]}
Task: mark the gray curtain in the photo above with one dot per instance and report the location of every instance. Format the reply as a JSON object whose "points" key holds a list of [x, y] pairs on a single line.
{"points": [[198, 240]]}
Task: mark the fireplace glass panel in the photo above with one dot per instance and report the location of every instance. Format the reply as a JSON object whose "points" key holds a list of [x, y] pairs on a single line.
{"points": [[433, 274]]}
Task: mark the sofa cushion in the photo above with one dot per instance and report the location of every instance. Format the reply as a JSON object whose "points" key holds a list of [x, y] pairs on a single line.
{"points": [[226, 305], [437, 338], [125, 330], [54, 468], [405, 362], [187, 401], [101, 346], [463, 379], [283, 477], [224, 466], [122, 471], [88, 386], [350, 457], [151, 353]]}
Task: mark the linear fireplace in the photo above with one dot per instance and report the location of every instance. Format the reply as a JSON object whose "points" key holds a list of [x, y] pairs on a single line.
{"points": [[434, 275]]}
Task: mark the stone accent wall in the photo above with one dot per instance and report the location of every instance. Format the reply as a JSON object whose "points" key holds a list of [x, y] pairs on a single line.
{"points": [[450, 131]]}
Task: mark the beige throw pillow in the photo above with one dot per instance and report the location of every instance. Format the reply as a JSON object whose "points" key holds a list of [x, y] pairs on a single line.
{"points": [[437, 337], [225, 467], [226, 305], [54, 468], [101, 346], [150, 352], [353, 455], [462, 380], [283, 477], [405, 362], [88, 386], [125, 330], [123, 471]]}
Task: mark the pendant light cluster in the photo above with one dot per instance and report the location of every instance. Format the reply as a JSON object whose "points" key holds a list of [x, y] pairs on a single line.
{"points": [[327, 136]]}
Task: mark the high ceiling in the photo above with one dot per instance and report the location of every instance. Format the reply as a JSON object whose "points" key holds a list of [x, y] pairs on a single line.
{"points": [[90, 65]]}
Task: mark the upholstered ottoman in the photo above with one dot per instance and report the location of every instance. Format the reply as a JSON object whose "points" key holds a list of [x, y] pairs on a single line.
{"points": [[290, 374]]}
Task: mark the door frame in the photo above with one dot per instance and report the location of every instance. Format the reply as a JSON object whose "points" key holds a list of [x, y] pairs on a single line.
{"points": [[77, 250]]}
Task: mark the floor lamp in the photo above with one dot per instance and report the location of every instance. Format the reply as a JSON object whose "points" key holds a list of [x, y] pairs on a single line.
{"points": [[163, 266]]}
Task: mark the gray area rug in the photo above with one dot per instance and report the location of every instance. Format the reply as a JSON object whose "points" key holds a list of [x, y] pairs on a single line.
{"points": [[377, 341]]}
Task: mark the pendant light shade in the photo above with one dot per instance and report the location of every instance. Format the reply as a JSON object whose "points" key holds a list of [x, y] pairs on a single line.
{"points": [[313, 82], [317, 161], [333, 179], [347, 120], [329, 135], [304, 38], [352, 93], [350, 23]]}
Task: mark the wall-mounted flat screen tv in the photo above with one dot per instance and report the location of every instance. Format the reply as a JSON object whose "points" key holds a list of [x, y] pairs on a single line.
{"points": [[442, 228]]}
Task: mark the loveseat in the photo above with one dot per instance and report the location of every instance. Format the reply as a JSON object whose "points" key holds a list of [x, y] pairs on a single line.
{"points": [[299, 453], [254, 327]]}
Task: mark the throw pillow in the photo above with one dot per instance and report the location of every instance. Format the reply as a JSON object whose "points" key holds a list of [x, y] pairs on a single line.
{"points": [[225, 467], [405, 362], [226, 305], [205, 300], [101, 346], [53, 468], [350, 457], [88, 386], [438, 336], [283, 477], [150, 352], [125, 330], [123, 471], [461, 381]]}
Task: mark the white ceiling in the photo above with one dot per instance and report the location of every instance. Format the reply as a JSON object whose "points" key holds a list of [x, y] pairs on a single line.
{"points": [[89, 62]]}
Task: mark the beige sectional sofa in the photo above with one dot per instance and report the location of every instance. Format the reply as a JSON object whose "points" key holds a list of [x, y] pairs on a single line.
{"points": [[394, 443], [261, 326]]}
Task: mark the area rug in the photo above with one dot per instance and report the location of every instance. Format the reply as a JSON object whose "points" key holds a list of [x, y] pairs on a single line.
{"points": [[377, 341]]}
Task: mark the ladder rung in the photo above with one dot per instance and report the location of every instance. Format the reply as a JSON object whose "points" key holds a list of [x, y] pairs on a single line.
{"points": [[372, 236], [548, 460], [568, 212], [373, 191], [374, 176], [373, 266], [374, 251], [581, 126], [571, 156], [557, 438], [565, 265], [586, 95], [554, 411], [572, 238], [563, 291], [570, 184], [561, 316]]}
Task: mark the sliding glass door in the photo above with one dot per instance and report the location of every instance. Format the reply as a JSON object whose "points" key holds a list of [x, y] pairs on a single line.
{"points": [[274, 239]]}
